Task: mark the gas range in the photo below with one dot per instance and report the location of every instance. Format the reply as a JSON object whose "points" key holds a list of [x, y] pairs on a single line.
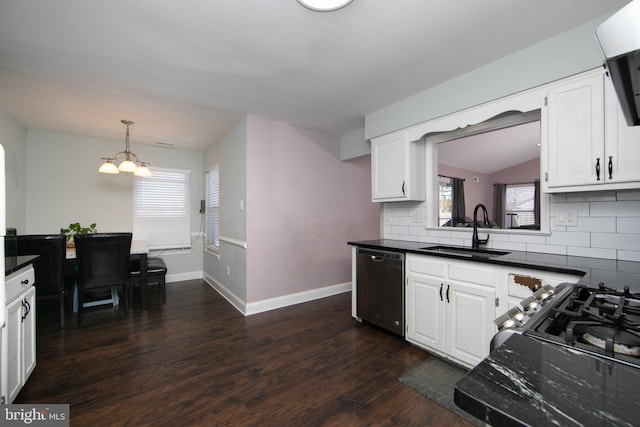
{"points": [[593, 319]]}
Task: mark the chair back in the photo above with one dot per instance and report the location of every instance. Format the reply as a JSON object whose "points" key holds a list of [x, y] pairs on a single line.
{"points": [[49, 267], [103, 259]]}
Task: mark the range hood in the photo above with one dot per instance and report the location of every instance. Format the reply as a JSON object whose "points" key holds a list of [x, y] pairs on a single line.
{"points": [[619, 41]]}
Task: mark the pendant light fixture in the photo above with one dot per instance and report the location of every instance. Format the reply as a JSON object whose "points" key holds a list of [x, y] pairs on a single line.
{"points": [[324, 5], [131, 163]]}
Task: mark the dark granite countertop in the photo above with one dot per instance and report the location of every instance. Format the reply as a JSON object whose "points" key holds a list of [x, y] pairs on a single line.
{"points": [[613, 273], [528, 382], [15, 263]]}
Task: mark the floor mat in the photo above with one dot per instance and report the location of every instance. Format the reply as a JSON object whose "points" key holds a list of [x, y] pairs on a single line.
{"points": [[435, 379]]}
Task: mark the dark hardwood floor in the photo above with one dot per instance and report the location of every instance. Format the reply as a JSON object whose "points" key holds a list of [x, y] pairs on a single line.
{"points": [[197, 361]]}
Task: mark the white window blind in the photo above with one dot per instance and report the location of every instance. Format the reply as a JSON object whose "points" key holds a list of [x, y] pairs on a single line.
{"points": [[161, 208], [520, 205], [213, 209]]}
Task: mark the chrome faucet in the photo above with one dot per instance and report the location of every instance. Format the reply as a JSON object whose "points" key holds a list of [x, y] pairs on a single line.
{"points": [[475, 241]]}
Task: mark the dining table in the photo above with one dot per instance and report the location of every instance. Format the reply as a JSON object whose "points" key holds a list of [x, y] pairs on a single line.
{"points": [[139, 250]]}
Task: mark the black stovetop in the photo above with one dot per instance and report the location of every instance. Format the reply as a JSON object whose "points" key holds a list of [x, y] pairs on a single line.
{"points": [[596, 319]]}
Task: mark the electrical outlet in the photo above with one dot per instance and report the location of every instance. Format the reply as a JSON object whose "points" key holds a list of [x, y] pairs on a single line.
{"points": [[572, 218], [418, 216], [567, 217]]}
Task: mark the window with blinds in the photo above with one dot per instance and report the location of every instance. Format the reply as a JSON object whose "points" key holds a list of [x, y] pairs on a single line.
{"points": [[520, 205], [161, 208], [213, 209]]}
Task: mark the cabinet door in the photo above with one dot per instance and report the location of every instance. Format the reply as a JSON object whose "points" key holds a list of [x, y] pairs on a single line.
{"points": [[575, 132], [389, 161], [15, 312], [470, 313], [425, 311], [622, 155], [29, 334]]}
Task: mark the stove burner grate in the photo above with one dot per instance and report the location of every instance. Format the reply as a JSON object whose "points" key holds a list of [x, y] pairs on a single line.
{"points": [[613, 340]]}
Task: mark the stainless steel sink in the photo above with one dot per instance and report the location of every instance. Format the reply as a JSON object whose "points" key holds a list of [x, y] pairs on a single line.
{"points": [[470, 252]]}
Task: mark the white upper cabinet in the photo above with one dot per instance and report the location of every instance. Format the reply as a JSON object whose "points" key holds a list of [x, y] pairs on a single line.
{"points": [[586, 144], [622, 147], [397, 168]]}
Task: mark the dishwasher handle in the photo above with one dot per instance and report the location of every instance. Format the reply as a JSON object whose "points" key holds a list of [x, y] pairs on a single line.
{"points": [[380, 256]]}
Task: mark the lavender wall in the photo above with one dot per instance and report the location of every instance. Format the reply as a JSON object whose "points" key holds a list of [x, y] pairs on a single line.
{"points": [[474, 192], [303, 205], [525, 172]]}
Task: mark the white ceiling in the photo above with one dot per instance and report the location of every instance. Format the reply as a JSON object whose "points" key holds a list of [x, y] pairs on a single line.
{"points": [[185, 71]]}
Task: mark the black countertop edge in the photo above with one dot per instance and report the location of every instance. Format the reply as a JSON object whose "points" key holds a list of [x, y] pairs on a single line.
{"points": [[530, 382], [592, 270], [15, 263]]}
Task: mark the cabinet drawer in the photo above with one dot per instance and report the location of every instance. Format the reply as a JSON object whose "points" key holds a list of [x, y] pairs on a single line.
{"points": [[18, 282], [425, 265], [473, 273]]}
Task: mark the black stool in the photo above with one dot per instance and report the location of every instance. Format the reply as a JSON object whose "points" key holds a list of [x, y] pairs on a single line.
{"points": [[156, 272]]}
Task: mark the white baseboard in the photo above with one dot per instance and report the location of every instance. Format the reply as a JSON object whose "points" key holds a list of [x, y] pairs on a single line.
{"points": [[190, 275], [248, 309], [233, 299], [297, 298]]}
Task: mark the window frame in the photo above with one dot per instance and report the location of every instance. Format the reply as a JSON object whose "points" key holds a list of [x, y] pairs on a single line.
{"points": [[212, 209]]}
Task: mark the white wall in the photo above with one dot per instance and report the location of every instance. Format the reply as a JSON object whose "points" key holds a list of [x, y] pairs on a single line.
{"points": [[64, 186], [230, 152], [566, 54], [13, 138]]}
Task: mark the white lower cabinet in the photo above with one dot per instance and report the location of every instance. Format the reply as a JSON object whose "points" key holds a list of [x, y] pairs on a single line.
{"points": [[450, 307], [18, 334]]}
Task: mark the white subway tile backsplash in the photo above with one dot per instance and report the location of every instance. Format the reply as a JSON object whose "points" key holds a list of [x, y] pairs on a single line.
{"points": [[569, 238], [591, 252], [615, 241], [525, 238], [608, 227], [547, 249], [628, 225], [592, 224], [618, 209], [402, 230], [629, 255], [512, 246]]}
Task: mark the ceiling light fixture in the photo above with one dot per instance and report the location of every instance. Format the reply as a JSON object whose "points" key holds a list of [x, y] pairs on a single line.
{"points": [[324, 5], [131, 163]]}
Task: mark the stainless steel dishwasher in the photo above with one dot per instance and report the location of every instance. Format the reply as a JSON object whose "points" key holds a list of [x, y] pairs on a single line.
{"points": [[380, 288]]}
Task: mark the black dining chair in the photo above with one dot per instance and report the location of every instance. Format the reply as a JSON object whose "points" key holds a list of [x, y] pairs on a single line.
{"points": [[156, 274], [103, 262], [49, 267]]}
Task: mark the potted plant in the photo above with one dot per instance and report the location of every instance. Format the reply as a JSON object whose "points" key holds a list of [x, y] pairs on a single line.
{"points": [[76, 228]]}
